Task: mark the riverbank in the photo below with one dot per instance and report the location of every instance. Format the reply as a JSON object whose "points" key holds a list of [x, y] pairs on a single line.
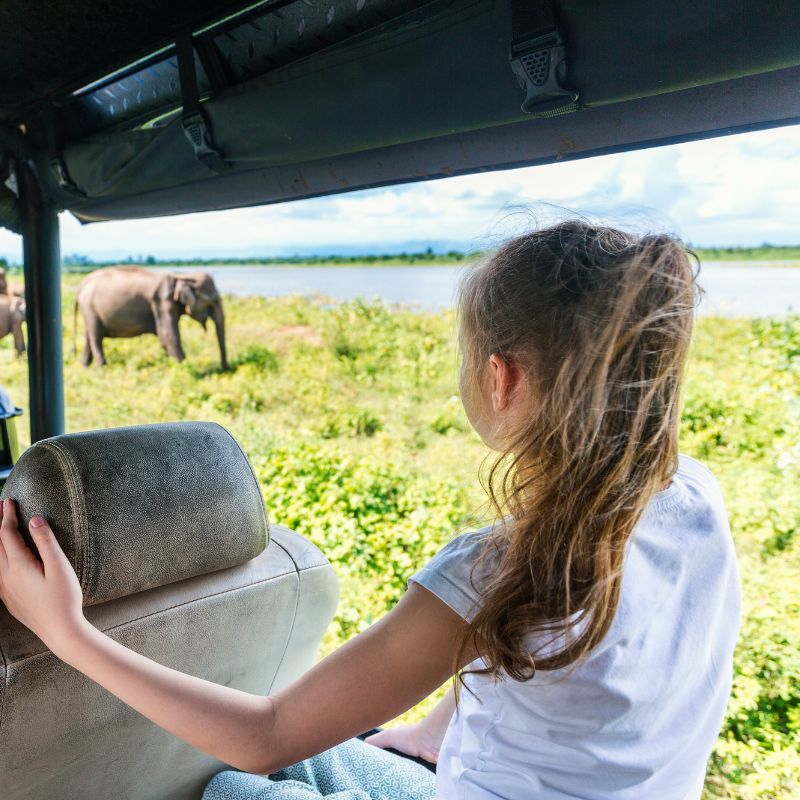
{"points": [[742, 290], [286, 263], [765, 256], [736, 289]]}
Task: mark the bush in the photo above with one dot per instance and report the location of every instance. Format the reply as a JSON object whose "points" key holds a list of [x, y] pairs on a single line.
{"points": [[377, 522], [362, 446]]}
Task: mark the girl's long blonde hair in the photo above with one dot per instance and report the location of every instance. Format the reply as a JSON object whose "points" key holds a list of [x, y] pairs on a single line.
{"points": [[600, 320]]}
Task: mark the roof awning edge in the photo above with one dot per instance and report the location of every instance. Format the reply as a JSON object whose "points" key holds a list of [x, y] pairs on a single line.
{"points": [[761, 101]]}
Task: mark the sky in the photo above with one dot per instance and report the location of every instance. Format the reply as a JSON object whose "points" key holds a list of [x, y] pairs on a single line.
{"points": [[733, 190]]}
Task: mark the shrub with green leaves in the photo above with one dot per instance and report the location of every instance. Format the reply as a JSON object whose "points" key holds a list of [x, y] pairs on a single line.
{"points": [[376, 522], [349, 412]]}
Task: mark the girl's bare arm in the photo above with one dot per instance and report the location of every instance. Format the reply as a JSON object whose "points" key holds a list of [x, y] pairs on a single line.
{"points": [[422, 739], [377, 675]]}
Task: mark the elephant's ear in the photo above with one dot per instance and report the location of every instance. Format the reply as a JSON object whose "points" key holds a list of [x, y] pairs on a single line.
{"points": [[183, 292]]}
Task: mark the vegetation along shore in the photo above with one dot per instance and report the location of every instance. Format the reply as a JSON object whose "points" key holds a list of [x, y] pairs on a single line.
{"points": [[766, 254]]}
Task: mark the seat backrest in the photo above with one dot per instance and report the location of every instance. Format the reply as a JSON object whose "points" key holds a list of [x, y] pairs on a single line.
{"points": [[166, 529]]}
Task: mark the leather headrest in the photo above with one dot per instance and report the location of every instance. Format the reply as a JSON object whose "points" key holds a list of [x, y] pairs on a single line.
{"points": [[143, 506]]}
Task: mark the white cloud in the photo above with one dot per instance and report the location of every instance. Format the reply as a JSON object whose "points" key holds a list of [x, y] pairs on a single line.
{"points": [[742, 189]]}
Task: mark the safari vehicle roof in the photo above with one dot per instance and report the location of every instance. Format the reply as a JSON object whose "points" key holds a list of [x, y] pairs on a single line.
{"points": [[309, 97], [115, 109]]}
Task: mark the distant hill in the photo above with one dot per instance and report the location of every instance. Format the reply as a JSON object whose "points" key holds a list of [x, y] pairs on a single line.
{"points": [[429, 255]]}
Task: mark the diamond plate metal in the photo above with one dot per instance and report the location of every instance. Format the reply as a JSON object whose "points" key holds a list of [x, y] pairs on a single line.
{"points": [[244, 50]]}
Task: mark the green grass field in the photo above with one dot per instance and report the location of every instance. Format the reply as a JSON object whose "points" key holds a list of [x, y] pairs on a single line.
{"points": [[350, 416]]}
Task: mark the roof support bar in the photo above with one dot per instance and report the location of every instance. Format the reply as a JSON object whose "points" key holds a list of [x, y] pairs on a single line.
{"points": [[41, 250]]}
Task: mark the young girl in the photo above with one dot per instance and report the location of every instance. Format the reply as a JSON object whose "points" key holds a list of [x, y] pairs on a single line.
{"points": [[590, 630]]}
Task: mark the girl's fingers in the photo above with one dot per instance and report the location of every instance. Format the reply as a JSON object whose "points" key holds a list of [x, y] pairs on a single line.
{"points": [[9, 537], [13, 544], [3, 556], [46, 543], [9, 518], [6, 508], [383, 739]]}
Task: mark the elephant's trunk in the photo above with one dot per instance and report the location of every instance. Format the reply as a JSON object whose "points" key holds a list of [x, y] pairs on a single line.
{"points": [[219, 321]]}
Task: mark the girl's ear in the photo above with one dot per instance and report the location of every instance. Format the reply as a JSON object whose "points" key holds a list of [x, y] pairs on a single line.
{"points": [[506, 376], [500, 379]]}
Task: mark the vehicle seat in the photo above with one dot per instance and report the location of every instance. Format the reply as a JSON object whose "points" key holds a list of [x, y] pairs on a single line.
{"points": [[166, 529]]}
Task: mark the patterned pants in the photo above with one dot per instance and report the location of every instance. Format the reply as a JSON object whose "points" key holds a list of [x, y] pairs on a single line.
{"points": [[352, 770]]}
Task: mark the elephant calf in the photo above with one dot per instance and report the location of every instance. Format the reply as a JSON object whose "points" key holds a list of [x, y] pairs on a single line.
{"points": [[128, 301], [12, 315]]}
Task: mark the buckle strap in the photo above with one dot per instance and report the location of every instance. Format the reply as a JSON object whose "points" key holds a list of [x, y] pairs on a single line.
{"points": [[65, 183], [196, 124], [198, 131], [538, 58]]}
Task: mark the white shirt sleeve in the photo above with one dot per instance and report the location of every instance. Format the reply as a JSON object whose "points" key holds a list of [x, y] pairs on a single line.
{"points": [[450, 574]]}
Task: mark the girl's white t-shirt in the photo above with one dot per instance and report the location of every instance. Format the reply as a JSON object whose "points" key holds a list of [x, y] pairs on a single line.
{"points": [[639, 717]]}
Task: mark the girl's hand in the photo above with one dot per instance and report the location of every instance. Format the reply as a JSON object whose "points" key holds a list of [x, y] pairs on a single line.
{"points": [[413, 740], [44, 596]]}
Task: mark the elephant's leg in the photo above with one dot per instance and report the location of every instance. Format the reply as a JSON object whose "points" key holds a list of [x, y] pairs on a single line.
{"points": [[86, 357], [19, 339], [97, 351], [94, 336], [170, 337]]}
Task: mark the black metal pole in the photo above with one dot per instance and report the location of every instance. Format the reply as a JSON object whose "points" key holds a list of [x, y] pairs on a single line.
{"points": [[41, 250]]}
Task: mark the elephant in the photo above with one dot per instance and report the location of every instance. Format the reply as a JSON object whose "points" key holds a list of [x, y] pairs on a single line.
{"points": [[12, 315], [128, 301], [13, 290]]}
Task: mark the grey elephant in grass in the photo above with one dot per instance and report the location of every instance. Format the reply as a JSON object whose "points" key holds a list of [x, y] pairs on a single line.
{"points": [[12, 315], [128, 301]]}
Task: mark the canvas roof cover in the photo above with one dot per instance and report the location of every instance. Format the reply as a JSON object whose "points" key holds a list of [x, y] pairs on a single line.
{"points": [[308, 97]]}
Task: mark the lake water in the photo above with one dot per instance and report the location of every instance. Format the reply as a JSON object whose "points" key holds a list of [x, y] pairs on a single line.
{"points": [[732, 289]]}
